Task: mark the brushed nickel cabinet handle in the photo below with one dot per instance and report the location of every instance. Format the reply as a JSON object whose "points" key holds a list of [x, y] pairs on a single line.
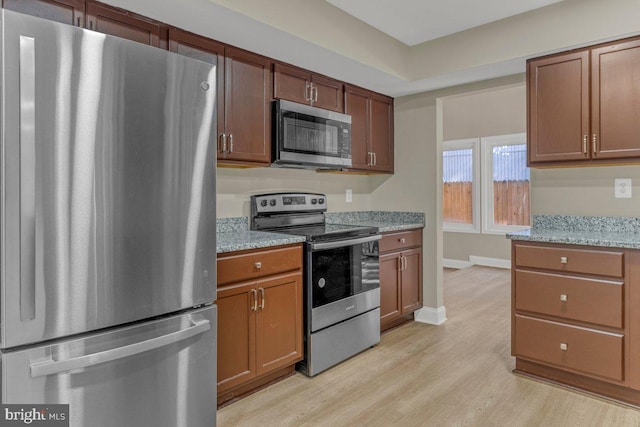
{"points": [[564, 260], [595, 144], [231, 143], [258, 265], [254, 299], [563, 298], [585, 144], [262, 299], [307, 97], [375, 159], [563, 346], [403, 240], [223, 143], [315, 88]]}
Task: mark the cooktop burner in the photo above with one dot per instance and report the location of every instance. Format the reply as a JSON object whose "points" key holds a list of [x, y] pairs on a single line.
{"points": [[327, 231]]}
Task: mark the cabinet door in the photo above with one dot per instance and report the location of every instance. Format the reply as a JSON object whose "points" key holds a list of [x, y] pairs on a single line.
{"points": [[356, 104], [279, 322], [206, 50], [390, 303], [292, 84], [615, 102], [381, 133], [247, 107], [66, 11], [327, 93], [558, 108], [411, 281], [236, 335], [119, 23]]}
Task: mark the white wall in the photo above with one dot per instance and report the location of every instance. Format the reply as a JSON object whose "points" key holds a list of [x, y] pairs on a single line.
{"points": [[234, 186]]}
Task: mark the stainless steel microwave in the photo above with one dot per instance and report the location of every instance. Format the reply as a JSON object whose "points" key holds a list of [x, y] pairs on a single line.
{"points": [[310, 137]]}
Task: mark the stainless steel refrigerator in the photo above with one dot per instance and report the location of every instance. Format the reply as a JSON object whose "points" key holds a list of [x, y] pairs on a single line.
{"points": [[107, 222]]}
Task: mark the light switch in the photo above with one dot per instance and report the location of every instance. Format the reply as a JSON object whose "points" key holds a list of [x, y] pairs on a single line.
{"points": [[349, 195], [623, 188]]}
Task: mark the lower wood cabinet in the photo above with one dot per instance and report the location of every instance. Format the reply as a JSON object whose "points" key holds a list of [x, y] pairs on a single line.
{"points": [[573, 315], [259, 318], [400, 277]]}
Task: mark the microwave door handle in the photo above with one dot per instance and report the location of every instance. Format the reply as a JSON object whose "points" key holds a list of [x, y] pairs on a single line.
{"points": [[50, 366], [342, 243]]}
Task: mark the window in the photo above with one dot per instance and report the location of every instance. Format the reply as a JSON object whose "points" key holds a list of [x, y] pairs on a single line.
{"points": [[461, 186], [505, 184], [495, 168]]}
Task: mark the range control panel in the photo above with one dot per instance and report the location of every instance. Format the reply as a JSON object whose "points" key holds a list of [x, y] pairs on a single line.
{"points": [[288, 202]]}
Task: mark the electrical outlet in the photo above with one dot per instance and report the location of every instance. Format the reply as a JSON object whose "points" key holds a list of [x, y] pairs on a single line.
{"points": [[623, 188], [349, 195]]}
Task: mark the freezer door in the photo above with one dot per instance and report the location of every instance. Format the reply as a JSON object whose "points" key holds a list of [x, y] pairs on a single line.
{"points": [[108, 173], [160, 373]]}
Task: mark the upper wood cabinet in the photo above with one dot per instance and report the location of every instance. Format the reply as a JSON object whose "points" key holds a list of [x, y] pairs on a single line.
{"points": [[246, 135], [615, 100], [584, 106], [207, 50], [120, 23], [66, 11], [371, 129], [301, 86]]}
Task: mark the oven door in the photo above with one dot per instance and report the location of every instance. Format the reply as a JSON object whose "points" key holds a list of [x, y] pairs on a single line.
{"points": [[343, 279]]}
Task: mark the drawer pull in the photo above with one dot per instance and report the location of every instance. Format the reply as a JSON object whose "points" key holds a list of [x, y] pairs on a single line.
{"points": [[563, 298], [258, 265], [563, 346], [403, 240], [563, 260]]}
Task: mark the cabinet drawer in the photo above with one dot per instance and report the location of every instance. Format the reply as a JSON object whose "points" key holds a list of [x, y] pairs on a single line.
{"points": [[236, 268], [603, 263], [587, 351], [576, 298], [400, 240]]}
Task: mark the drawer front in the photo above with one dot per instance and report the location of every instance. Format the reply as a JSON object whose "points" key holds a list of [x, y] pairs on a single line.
{"points": [[241, 267], [576, 298], [401, 240], [603, 263], [586, 351]]}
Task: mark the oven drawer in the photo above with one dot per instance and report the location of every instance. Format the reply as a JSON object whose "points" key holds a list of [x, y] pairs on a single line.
{"points": [[246, 266], [570, 297], [583, 350], [401, 240], [602, 263]]}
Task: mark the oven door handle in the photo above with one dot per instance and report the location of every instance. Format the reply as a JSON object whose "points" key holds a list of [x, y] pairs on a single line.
{"points": [[343, 243]]}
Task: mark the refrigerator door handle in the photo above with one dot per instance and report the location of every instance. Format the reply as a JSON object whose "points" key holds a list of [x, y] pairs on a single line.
{"points": [[28, 230], [50, 367]]}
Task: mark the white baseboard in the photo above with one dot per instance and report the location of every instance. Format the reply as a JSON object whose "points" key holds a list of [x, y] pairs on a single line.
{"points": [[490, 262], [455, 263], [432, 316]]}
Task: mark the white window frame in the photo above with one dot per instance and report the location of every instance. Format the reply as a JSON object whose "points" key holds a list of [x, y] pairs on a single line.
{"points": [[486, 148], [474, 145]]}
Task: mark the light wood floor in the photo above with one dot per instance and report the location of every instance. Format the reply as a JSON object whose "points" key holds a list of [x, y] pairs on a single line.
{"points": [[457, 374]]}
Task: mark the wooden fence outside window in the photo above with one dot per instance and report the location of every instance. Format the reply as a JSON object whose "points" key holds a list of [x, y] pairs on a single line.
{"points": [[511, 205]]}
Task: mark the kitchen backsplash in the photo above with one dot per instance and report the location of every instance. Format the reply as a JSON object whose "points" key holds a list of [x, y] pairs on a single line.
{"points": [[225, 225], [375, 216]]}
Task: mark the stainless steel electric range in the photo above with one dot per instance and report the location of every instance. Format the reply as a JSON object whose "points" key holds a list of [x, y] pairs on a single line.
{"points": [[342, 277]]}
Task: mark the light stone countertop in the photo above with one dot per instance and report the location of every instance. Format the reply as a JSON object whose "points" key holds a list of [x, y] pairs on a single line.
{"points": [[233, 234], [612, 232]]}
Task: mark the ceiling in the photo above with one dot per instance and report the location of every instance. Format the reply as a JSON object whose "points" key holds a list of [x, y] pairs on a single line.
{"points": [[416, 21]]}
